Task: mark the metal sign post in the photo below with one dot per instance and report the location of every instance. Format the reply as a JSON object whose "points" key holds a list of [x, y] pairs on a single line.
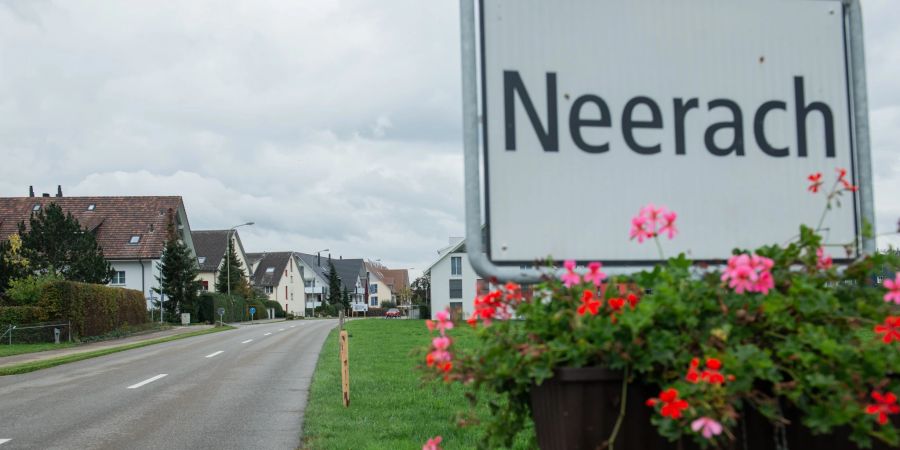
{"points": [[221, 312], [621, 103], [252, 312]]}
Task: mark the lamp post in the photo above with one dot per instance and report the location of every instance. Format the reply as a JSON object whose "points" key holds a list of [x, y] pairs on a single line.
{"points": [[319, 263], [228, 259]]}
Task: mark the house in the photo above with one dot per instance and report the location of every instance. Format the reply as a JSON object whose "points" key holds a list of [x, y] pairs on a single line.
{"points": [[132, 231], [315, 278], [354, 278], [211, 247], [454, 283], [398, 281], [278, 275], [379, 291]]}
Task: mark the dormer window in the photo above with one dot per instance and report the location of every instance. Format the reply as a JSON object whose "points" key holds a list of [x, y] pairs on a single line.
{"points": [[91, 207], [36, 208], [135, 240], [201, 260]]}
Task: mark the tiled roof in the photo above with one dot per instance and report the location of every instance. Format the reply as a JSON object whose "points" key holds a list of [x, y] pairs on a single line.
{"points": [[212, 244], [396, 278], [114, 220], [277, 261]]}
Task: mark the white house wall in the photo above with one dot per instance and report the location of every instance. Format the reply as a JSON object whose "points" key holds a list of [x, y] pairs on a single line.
{"points": [[440, 285], [134, 271]]}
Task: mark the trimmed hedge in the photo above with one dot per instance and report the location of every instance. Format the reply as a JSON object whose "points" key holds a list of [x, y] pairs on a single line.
{"points": [[237, 308], [279, 310], [93, 309], [20, 315]]}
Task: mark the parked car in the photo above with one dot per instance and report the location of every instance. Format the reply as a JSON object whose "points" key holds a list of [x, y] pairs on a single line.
{"points": [[392, 313]]}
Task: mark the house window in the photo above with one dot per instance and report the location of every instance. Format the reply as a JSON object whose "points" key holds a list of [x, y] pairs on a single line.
{"points": [[373, 288], [204, 285], [269, 289], [134, 240], [456, 265], [118, 278], [285, 292], [308, 284], [455, 288], [374, 301]]}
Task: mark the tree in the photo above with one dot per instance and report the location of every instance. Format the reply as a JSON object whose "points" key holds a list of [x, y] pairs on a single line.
{"points": [[232, 267], [334, 286], [13, 264], [56, 243], [421, 290], [345, 299], [178, 276]]}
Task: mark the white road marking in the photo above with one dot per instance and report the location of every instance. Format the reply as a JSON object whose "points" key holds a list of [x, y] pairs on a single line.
{"points": [[215, 354], [281, 329], [147, 381], [248, 340], [292, 326], [267, 334], [3, 441]]}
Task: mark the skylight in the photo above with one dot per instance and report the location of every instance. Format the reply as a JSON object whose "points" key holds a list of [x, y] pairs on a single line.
{"points": [[36, 207], [201, 259], [270, 270], [91, 207], [135, 239]]}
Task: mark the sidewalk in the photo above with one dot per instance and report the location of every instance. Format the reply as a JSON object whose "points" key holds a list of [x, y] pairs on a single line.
{"points": [[255, 322], [40, 356]]}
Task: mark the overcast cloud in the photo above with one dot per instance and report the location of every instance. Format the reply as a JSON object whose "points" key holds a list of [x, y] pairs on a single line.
{"points": [[330, 123]]}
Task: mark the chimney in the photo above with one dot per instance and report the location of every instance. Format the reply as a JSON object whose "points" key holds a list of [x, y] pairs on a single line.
{"points": [[59, 190], [31, 191], [45, 195], [342, 257]]}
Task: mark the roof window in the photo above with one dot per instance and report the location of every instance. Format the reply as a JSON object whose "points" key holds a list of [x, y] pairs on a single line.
{"points": [[201, 259], [270, 270], [135, 240], [36, 207], [91, 207]]}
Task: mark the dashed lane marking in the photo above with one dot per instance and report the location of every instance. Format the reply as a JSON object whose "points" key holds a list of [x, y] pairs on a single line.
{"points": [[248, 340], [215, 354], [267, 334], [147, 381]]}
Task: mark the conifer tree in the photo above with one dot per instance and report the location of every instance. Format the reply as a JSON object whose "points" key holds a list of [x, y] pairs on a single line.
{"points": [[56, 243], [334, 286], [345, 300], [232, 267], [178, 276]]}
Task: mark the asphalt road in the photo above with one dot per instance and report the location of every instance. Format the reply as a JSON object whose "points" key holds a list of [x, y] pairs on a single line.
{"points": [[237, 389]]}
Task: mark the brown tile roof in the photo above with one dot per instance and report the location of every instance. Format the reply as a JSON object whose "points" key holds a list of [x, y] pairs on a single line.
{"points": [[114, 220], [396, 278]]}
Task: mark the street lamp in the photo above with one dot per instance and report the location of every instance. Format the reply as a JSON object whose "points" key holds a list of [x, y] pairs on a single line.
{"points": [[228, 259]]}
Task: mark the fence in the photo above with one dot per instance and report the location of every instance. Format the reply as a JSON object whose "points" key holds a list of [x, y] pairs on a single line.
{"points": [[36, 333]]}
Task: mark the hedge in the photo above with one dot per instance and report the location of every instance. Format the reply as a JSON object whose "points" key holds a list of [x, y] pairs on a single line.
{"points": [[20, 315], [93, 309], [237, 308], [279, 310]]}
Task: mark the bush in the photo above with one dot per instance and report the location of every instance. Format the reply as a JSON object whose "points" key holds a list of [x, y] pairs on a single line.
{"points": [[326, 311], [279, 310], [237, 308], [19, 315], [27, 291], [388, 305], [93, 309]]}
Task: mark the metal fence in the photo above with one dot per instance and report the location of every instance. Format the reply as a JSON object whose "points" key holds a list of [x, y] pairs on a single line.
{"points": [[36, 333]]}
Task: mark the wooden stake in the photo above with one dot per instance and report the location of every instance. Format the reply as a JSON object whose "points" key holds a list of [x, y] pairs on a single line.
{"points": [[345, 368]]}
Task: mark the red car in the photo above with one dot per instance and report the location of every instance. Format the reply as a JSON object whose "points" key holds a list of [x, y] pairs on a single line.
{"points": [[392, 313]]}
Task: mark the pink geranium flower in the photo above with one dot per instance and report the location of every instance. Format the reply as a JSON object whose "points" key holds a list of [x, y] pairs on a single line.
{"points": [[651, 221], [433, 443], [749, 273], [707, 427], [639, 229], [594, 274], [893, 287], [823, 260], [570, 278], [668, 224], [441, 342]]}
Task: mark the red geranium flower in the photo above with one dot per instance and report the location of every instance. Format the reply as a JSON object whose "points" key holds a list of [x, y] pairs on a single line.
{"points": [[890, 329], [632, 300], [589, 304], [884, 404], [693, 375], [816, 180], [672, 405]]}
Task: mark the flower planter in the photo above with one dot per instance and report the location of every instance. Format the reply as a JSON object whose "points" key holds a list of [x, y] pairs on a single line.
{"points": [[578, 409]]}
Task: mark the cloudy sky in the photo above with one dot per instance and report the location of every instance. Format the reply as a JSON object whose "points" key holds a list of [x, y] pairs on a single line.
{"points": [[330, 123]]}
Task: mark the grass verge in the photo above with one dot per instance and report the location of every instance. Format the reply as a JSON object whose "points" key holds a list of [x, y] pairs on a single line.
{"points": [[389, 407], [20, 349], [38, 365]]}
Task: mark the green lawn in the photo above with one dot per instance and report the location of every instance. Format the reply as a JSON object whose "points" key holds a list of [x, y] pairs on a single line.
{"points": [[389, 407], [38, 365], [18, 349]]}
